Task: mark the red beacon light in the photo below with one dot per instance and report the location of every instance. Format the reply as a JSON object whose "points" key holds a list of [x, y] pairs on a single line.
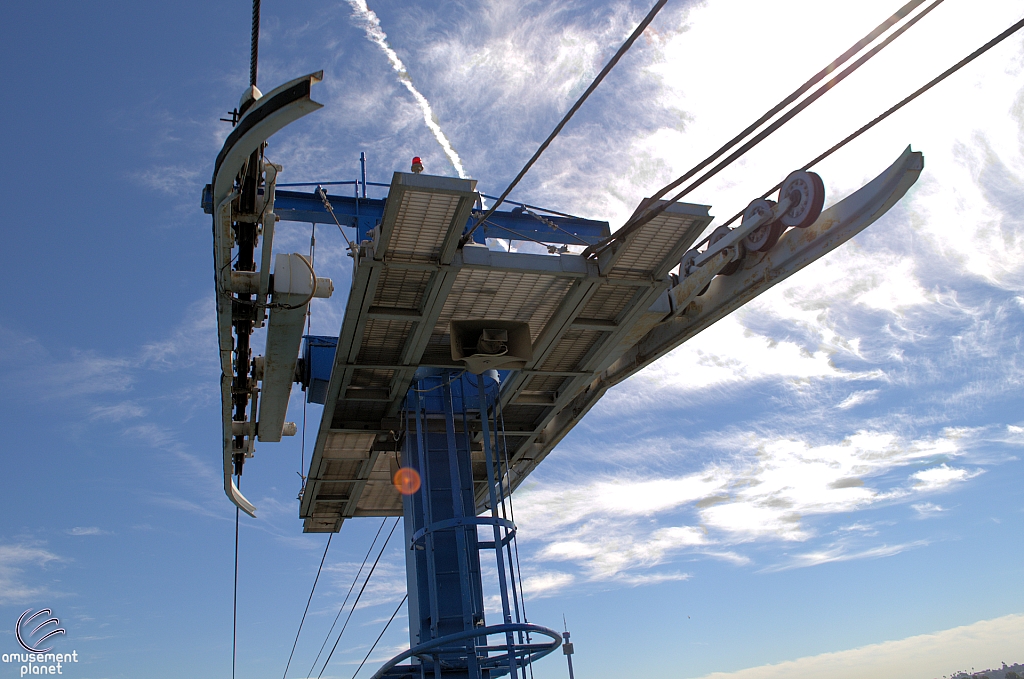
{"points": [[417, 165]]}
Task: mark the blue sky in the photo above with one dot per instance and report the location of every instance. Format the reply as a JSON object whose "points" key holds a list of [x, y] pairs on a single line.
{"points": [[831, 476]]}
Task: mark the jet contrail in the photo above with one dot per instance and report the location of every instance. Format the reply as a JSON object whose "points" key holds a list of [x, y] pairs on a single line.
{"points": [[374, 33]]}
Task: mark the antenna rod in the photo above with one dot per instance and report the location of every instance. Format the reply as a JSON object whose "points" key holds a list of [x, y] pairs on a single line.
{"points": [[362, 171], [567, 647]]}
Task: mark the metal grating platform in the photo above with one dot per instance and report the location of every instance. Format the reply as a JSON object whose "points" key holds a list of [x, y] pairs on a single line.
{"points": [[412, 281]]}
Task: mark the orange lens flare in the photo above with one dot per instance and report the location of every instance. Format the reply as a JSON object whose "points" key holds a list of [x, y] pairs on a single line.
{"points": [[406, 480]]}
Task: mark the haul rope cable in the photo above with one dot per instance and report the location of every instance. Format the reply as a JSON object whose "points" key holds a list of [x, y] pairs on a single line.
{"points": [[565, 119], [255, 42], [351, 587], [254, 51], [533, 207], [652, 212], [358, 596], [815, 79], [308, 601], [388, 624], [234, 602], [932, 83]]}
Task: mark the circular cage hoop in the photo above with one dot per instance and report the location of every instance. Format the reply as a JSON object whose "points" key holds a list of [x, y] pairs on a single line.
{"points": [[492, 663]]}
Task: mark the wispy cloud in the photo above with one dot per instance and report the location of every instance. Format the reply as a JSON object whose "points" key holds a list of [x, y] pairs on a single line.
{"points": [[376, 35], [927, 509], [171, 180], [857, 398], [16, 585], [544, 584], [192, 342], [87, 530], [126, 410], [838, 553], [619, 526], [187, 464]]}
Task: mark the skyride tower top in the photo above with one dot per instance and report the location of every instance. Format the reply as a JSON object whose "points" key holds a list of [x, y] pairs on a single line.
{"points": [[457, 367]]}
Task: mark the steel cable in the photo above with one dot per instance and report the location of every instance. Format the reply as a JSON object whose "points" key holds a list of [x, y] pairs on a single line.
{"points": [[358, 597], [650, 213], [388, 624], [234, 606], [308, 601], [350, 588], [254, 52], [565, 119], [234, 602], [930, 84]]}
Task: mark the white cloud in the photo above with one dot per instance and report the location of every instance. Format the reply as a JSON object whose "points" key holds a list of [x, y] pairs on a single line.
{"points": [[546, 583], [926, 509], [857, 398], [16, 586], [728, 353], [841, 552], [118, 412], [939, 477], [790, 479], [762, 490], [374, 33], [85, 374], [171, 180], [982, 644], [193, 341], [86, 530]]}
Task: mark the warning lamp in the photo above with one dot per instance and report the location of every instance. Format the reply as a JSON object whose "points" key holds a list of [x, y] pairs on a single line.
{"points": [[417, 165]]}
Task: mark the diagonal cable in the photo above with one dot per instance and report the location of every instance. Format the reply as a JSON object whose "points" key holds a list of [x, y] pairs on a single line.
{"points": [[575, 107], [388, 624], [350, 588], [358, 596], [648, 213], [896, 107], [308, 601]]}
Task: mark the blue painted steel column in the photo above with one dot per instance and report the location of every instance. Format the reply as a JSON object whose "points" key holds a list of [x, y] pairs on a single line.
{"points": [[499, 557], [445, 588], [470, 617]]}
